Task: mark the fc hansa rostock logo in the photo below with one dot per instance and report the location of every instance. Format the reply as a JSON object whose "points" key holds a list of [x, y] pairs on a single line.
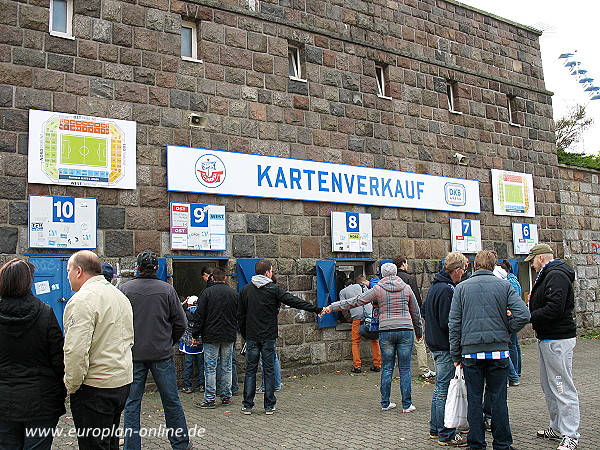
{"points": [[210, 170], [456, 194]]}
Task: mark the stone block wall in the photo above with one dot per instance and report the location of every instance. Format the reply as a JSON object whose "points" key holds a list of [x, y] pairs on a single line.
{"points": [[125, 63], [580, 205]]}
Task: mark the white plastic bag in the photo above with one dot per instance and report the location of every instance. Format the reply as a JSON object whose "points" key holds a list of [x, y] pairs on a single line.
{"points": [[455, 415]]}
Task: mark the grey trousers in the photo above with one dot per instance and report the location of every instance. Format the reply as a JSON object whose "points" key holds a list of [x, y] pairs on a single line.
{"points": [[556, 378]]}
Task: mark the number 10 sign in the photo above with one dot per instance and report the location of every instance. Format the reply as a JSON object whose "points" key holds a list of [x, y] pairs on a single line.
{"points": [[62, 222]]}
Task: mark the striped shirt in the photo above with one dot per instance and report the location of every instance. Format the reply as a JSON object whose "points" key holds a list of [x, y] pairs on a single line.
{"points": [[488, 355]]}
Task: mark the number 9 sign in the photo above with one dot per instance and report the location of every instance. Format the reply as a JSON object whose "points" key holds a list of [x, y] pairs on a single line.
{"points": [[199, 215]]}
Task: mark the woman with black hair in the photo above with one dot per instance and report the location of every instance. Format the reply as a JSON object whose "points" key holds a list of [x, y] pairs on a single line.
{"points": [[32, 392]]}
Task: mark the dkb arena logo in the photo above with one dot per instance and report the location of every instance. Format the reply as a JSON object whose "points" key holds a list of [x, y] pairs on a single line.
{"points": [[210, 171], [456, 194]]}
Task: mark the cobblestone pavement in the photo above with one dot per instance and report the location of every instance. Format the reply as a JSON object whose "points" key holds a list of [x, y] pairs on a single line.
{"points": [[341, 411]]}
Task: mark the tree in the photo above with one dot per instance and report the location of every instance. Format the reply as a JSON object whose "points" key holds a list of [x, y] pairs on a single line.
{"points": [[570, 127]]}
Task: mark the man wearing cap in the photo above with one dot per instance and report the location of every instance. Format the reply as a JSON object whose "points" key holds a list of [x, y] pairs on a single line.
{"points": [[159, 322], [98, 339], [108, 271], [551, 304]]}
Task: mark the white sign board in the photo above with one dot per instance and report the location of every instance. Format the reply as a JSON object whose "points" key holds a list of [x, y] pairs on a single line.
{"points": [[513, 193], [229, 173], [525, 236], [466, 235], [81, 150], [62, 222], [196, 226], [351, 232]]}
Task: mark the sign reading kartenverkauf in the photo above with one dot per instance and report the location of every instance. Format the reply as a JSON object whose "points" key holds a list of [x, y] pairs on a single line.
{"points": [[242, 174]]}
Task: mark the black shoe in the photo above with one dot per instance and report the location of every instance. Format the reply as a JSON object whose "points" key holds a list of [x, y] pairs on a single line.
{"points": [[201, 389], [206, 405], [356, 370], [225, 401], [375, 369]]}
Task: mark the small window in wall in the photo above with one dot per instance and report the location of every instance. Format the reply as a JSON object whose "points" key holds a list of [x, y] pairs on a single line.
{"points": [[513, 111], [295, 64], [381, 77], [61, 18], [452, 93], [189, 41]]}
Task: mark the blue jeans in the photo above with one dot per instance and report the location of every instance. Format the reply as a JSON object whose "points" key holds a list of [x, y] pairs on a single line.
{"points": [[13, 434], [515, 352], [254, 351], [165, 378], [188, 369], [444, 372], [396, 343], [234, 377], [491, 374], [277, 369], [212, 352]]}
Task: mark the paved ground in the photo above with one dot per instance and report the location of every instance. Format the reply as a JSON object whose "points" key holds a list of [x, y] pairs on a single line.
{"points": [[341, 411]]}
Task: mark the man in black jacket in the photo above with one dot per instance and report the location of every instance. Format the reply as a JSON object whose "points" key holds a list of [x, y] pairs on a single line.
{"points": [[216, 320], [259, 306], [436, 309], [551, 304]]}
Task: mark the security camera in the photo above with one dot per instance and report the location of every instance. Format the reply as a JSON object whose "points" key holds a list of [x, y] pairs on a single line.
{"points": [[197, 121], [462, 159]]}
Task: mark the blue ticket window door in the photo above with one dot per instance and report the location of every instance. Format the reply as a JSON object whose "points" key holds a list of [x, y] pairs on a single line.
{"points": [[50, 283]]}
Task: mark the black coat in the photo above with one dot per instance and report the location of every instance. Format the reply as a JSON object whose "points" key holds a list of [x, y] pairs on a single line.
{"points": [[552, 302], [31, 361], [215, 318], [436, 309], [259, 307], [411, 280]]}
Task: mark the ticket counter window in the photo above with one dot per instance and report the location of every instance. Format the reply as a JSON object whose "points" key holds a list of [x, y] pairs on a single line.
{"points": [[187, 279]]}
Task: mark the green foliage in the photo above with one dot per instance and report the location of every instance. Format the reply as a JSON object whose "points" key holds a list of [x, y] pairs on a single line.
{"points": [[592, 334], [578, 159], [569, 128]]}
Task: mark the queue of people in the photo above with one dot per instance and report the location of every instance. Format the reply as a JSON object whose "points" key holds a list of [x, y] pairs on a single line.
{"points": [[471, 323]]}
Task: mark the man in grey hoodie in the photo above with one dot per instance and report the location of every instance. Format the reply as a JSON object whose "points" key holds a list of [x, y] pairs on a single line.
{"points": [[257, 316]]}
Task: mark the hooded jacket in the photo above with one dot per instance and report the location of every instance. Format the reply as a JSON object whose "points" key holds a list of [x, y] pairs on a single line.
{"points": [[436, 309], [31, 361], [259, 306], [552, 302], [398, 308]]}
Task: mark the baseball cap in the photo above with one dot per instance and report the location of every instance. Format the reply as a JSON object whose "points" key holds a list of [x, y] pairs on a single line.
{"points": [[540, 249], [108, 271], [147, 259]]}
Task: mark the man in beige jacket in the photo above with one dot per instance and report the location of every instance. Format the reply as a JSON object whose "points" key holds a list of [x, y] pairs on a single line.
{"points": [[98, 324]]}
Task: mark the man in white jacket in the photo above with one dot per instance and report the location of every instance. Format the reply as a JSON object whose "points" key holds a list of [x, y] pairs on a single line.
{"points": [[98, 364]]}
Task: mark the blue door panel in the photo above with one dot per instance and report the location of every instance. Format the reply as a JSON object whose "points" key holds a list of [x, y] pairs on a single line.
{"points": [[326, 290], [245, 271], [50, 283]]}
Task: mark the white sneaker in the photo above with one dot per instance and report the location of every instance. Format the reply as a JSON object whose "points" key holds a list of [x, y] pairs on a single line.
{"points": [[428, 374], [411, 408], [549, 433], [567, 443], [392, 405]]}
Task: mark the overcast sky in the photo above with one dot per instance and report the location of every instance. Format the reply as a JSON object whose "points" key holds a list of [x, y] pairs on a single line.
{"points": [[568, 26]]}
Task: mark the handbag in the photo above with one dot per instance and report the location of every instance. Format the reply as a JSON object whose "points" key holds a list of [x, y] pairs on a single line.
{"points": [[455, 414], [366, 325]]}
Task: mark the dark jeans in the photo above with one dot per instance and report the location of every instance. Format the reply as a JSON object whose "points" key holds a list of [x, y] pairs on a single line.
{"points": [[490, 374], [254, 351], [188, 369], [36, 435], [165, 377], [96, 414]]}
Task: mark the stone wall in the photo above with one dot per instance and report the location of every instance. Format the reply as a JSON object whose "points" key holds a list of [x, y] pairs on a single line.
{"points": [[580, 207], [124, 63]]}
